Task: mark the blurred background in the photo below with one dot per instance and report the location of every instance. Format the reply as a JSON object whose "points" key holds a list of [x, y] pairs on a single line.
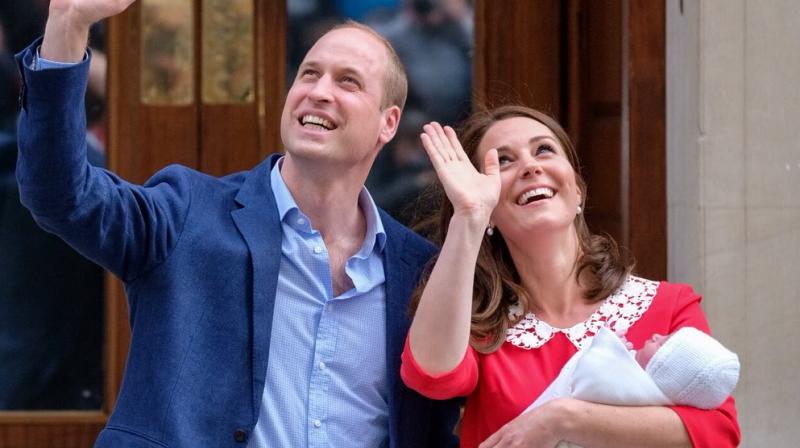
{"points": [[51, 298]]}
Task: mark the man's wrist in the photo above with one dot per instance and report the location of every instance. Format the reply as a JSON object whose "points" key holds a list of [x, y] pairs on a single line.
{"points": [[65, 39]]}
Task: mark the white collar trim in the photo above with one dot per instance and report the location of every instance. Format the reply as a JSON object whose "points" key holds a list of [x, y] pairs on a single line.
{"points": [[617, 313]]}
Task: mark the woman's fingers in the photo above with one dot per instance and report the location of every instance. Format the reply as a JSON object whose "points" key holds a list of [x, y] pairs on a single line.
{"points": [[492, 440], [433, 152], [440, 141], [491, 163], [452, 138]]}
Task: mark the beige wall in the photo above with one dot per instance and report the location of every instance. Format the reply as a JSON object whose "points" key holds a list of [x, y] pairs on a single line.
{"points": [[733, 108]]}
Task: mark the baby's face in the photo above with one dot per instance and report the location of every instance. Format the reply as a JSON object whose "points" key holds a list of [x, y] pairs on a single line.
{"points": [[649, 348]]}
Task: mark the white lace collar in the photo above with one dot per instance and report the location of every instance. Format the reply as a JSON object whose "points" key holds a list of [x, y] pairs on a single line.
{"points": [[617, 313]]}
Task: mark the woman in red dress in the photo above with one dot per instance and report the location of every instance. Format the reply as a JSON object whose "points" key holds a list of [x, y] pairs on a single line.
{"points": [[521, 284]]}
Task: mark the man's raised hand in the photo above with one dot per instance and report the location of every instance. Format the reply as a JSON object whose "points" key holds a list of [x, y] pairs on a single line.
{"points": [[68, 24]]}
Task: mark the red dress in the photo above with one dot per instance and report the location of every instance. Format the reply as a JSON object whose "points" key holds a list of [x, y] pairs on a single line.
{"points": [[500, 385]]}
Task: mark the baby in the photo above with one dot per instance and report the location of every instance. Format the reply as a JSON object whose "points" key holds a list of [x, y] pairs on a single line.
{"points": [[687, 368], [690, 367]]}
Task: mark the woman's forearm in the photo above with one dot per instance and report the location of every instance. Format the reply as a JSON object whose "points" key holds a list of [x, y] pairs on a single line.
{"points": [[594, 425], [439, 334]]}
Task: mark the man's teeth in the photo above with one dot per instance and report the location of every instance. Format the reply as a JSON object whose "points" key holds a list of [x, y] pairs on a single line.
{"points": [[319, 121], [539, 193]]}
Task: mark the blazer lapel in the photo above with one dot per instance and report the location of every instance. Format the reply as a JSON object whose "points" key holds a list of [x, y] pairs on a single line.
{"points": [[399, 286], [259, 225]]}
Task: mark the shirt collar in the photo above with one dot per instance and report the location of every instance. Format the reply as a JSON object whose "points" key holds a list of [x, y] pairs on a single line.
{"points": [[283, 198], [375, 237]]}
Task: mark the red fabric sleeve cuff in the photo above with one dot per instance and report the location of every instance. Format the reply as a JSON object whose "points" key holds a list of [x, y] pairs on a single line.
{"points": [[460, 381], [714, 428]]}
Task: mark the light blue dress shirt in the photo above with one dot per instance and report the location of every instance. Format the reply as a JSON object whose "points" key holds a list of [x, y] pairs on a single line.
{"points": [[326, 382], [40, 63]]}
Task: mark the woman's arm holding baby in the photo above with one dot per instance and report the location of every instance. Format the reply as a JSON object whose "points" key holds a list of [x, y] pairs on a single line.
{"points": [[592, 425], [596, 425]]}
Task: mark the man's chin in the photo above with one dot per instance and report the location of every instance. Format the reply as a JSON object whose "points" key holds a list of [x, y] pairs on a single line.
{"points": [[313, 154], [307, 143]]}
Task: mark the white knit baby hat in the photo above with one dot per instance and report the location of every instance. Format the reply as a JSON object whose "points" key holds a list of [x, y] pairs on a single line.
{"points": [[694, 369]]}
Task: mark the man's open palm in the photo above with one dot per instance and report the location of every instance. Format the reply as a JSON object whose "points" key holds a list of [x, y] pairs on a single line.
{"points": [[87, 12]]}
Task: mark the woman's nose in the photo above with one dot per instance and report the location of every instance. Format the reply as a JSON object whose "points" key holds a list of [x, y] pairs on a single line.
{"points": [[531, 167]]}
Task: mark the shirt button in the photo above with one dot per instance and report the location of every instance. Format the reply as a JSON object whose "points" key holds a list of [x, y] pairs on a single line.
{"points": [[321, 365], [239, 435], [301, 221], [317, 423], [317, 250], [329, 307]]}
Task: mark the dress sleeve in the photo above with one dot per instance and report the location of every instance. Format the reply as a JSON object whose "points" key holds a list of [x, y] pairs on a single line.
{"points": [[459, 382], [717, 428]]}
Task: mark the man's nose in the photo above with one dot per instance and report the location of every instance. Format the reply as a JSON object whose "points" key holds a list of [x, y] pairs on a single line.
{"points": [[322, 89]]}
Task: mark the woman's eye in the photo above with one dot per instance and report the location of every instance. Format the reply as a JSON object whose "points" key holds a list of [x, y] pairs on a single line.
{"points": [[503, 159], [544, 148]]}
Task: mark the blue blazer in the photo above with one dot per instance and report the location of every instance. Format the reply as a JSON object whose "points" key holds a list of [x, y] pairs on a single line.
{"points": [[200, 258]]}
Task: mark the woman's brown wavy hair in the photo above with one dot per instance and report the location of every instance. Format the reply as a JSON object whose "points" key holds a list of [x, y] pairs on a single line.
{"points": [[601, 269]]}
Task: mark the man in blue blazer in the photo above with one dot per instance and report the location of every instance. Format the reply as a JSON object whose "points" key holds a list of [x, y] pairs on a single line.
{"points": [[268, 307]]}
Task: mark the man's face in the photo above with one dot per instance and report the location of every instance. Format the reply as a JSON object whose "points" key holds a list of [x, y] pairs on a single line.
{"points": [[333, 109]]}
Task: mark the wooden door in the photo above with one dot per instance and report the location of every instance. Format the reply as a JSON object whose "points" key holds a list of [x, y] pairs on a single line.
{"points": [[599, 68]]}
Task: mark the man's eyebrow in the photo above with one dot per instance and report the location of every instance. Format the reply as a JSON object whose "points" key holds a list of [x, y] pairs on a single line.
{"points": [[349, 70], [312, 64], [338, 70]]}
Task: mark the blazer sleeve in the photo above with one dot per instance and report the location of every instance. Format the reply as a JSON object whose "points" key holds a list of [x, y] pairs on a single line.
{"points": [[445, 417], [714, 428], [126, 228], [459, 382]]}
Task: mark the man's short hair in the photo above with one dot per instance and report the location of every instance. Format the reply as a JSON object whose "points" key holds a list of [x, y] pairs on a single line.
{"points": [[395, 83]]}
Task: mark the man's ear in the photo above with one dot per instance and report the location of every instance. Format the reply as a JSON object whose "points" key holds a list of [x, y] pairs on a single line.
{"points": [[391, 120]]}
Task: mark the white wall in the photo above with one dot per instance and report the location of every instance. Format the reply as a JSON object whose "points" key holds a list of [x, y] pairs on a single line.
{"points": [[733, 125]]}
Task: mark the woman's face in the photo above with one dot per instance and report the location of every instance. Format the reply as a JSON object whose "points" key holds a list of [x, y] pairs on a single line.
{"points": [[650, 347], [538, 187]]}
